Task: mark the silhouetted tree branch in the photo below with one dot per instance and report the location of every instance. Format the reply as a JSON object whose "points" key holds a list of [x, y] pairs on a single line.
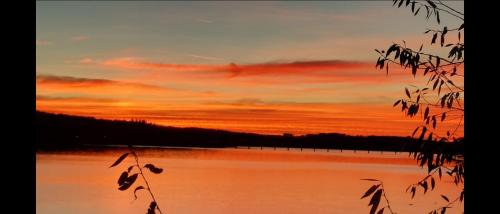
{"points": [[442, 72], [125, 181]]}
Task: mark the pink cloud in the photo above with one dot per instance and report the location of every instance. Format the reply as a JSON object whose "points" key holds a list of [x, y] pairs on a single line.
{"points": [[322, 71]]}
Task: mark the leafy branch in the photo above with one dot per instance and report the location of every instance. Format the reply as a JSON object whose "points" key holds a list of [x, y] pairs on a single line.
{"points": [[378, 192], [125, 181], [441, 100], [448, 205], [431, 8]]}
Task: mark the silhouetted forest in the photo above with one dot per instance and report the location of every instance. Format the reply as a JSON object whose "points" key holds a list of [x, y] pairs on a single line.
{"points": [[59, 132]]}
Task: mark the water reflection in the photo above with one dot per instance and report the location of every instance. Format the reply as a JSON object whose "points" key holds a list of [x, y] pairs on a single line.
{"points": [[232, 181]]}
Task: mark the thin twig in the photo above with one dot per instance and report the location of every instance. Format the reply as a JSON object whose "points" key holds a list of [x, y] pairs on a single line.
{"points": [[386, 199], [145, 180], [456, 11]]}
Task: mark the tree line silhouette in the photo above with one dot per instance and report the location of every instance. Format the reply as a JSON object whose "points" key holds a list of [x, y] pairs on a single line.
{"points": [[60, 132]]}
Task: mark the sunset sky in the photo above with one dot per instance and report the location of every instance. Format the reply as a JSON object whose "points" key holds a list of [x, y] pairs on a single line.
{"points": [[263, 67]]}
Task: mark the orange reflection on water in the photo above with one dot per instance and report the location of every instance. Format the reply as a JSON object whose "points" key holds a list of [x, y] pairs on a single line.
{"points": [[233, 181]]}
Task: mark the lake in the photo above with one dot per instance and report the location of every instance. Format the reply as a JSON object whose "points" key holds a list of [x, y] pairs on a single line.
{"points": [[237, 180]]}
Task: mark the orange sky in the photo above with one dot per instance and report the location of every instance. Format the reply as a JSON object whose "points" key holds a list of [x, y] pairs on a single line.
{"points": [[265, 67]]}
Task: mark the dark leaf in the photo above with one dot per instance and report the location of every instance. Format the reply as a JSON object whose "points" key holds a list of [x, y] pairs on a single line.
{"points": [[371, 190], [152, 208], [401, 3], [461, 26], [426, 113], [119, 160], [462, 196], [413, 6], [433, 122], [437, 17], [373, 209], [440, 86], [376, 198], [407, 3], [153, 169], [418, 98], [433, 183], [128, 182], [452, 52], [130, 168], [369, 179], [431, 3], [396, 103], [424, 130], [434, 37], [407, 93], [136, 189], [122, 178], [381, 211], [426, 70], [416, 12], [425, 186], [415, 131], [445, 198], [438, 61], [391, 49], [443, 210], [435, 84]]}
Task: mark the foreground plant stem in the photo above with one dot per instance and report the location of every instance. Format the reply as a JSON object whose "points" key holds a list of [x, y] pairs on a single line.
{"points": [[386, 200], [145, 180]]}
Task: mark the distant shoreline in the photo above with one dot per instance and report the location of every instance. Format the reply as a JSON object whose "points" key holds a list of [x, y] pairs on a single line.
{"points": [[66, 132]]}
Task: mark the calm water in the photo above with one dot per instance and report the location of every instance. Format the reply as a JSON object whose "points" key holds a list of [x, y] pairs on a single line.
{"points": [[215, 181]]}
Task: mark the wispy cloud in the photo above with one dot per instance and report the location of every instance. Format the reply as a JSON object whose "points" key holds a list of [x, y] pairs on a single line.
{"points": [[321, 70], [40, 97], [204, 57], [64, 85], [43, 42], [139, 63], [236, 70], [80, 38], [87, 82]]}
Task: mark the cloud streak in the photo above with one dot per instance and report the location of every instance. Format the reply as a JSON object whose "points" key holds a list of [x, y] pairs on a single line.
{"points": [[313, 71], [85, 82], [204, 57]]}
